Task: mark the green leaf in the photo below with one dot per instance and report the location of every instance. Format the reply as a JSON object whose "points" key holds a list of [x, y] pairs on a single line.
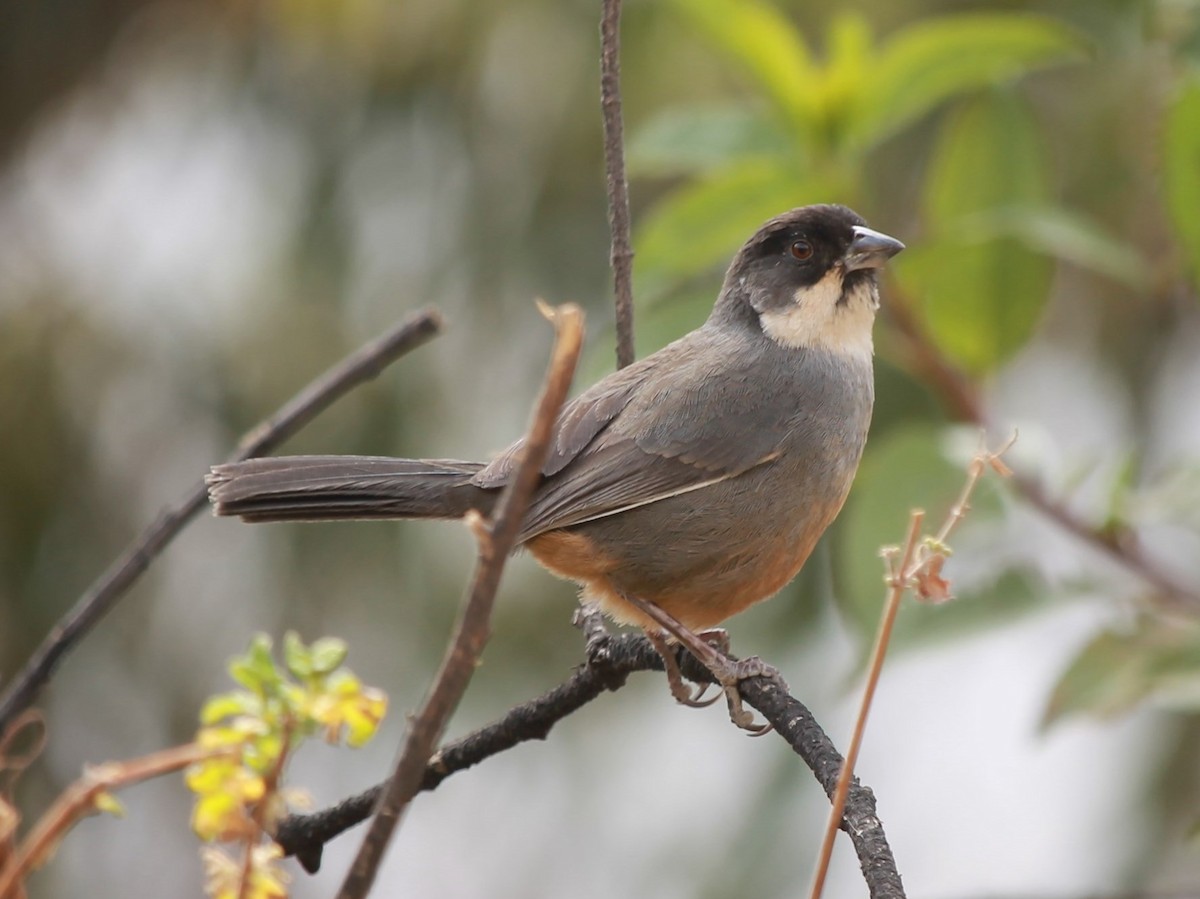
{"points": [[989, 156], [256, 669], [1062, 234], [844, 83], [228, 705], [698, 139], [327, 654], [851, 46], [1117, 671], [980, 297], [297, 656], [762, 40], [701, 225], [1181, 169], [980, 302], [933, 60], [905, 471]]}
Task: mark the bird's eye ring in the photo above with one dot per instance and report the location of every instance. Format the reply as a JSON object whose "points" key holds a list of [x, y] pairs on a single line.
{"points": [[802, 250]]}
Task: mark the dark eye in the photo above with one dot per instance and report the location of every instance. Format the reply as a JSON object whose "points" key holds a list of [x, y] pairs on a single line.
{"points": [[801, 250]]}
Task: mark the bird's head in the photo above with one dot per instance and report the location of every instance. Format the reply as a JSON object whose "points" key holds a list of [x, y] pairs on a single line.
{"points": [[808, 279]]}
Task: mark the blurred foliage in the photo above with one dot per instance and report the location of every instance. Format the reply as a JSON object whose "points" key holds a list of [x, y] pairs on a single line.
{"points": [[1181, 170], [981, 298], [1153, 659], [204, 203], [810, 136], [910, 468]]}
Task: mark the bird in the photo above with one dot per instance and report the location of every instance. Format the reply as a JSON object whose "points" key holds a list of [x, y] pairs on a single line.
{"points": [[685, 487]]}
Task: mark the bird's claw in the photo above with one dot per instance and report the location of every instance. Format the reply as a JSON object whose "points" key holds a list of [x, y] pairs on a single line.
{"points": [[697, 700], [683, 694], [732, 673], [742, 718], [711, 648]]}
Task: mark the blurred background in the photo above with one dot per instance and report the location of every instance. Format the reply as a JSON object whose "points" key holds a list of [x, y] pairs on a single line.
{"points": [[204, 204]]}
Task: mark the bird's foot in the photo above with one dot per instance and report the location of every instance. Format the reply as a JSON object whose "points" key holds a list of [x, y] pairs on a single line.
{"points": [[737, 671], [589, 619], [711, 649], [683, 694]]}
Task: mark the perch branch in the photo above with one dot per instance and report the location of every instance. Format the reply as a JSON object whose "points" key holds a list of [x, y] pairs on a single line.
{"points": [[363, 365], [610, 661], [496, 540]]}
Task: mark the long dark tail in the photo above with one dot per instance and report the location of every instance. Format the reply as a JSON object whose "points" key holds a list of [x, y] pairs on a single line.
{"points": [[314, 488]]}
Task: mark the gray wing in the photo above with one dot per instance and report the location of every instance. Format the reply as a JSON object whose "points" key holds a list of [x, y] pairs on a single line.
{"points": [[578, 424], [691, 415]]}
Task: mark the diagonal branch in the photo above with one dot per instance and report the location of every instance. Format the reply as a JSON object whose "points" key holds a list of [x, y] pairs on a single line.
{"points": [[611, 660], [496, 540], [961, 398], [89, 794], [361, 366], [621, 253]]}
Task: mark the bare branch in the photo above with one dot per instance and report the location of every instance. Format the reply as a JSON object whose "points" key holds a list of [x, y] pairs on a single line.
{"points": [[82, 798], [474, 625], [610, 661], [621, 253], [363, 365]]}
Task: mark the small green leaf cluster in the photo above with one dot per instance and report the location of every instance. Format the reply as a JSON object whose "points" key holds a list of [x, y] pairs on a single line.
{"points": [[252, 731]]}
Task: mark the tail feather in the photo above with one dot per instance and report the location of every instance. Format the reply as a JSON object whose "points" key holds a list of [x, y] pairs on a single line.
{"points": [[316, 488]]}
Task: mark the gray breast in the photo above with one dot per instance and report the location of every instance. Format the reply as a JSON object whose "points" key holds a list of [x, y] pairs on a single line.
{"points": [[814, 409]]}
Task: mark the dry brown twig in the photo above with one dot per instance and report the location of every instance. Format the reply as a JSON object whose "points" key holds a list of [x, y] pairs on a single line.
{"points": [[91, 793], [496, 540], [28, 728], [916, 565]]}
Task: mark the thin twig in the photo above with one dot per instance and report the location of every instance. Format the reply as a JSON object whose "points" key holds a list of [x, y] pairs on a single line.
{"points": [[80, 798], [919, 568], [263, 816], [363, 365], [896, 587], [473, 628], [961, 398], [305, 835], [621, 253]]}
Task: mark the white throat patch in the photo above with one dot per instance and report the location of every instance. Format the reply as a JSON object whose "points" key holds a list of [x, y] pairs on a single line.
{"points": [[814, 318]]}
